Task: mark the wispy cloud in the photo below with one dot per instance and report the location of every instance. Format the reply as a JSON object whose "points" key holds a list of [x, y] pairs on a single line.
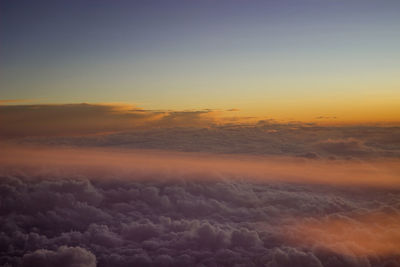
{"points": [[361, 233], [109, 161], [15, 101]]}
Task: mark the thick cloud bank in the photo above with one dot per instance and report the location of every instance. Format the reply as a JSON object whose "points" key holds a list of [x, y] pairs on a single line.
{"points": [[66, 215], [208, 131], [263, 138], [100, 185]]}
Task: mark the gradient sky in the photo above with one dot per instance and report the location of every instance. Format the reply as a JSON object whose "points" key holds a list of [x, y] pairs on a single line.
{"points": [[284, 59]]}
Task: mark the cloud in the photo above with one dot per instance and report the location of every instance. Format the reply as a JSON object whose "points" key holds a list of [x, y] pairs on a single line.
{"points": [[344, 147], [122, 162], [365, 234], [326, 117], [63, 257], [257, 139], [107, 185], [13, 101], [69, 119], [211, 131], [64, 220], [83, 119]]}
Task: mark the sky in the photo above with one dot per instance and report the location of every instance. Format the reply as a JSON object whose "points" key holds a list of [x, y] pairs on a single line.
{"points": [[285, 60], [206, 133]]}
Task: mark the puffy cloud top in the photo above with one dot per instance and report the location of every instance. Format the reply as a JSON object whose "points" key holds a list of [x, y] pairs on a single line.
{"points": [[84, 221]]}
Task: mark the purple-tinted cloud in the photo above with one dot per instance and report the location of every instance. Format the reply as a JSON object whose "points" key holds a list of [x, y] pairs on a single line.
{"points": [[54, 218]]}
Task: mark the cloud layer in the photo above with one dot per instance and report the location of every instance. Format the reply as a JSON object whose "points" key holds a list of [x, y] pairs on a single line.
{"points": [[125, 163], [187, 223], [95, 125], [82, 119], [105, 185], [62, 207]]}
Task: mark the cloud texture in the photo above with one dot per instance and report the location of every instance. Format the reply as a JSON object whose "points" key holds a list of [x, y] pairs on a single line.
{"points": [[177, 215], [104, 185], [191, 131], [82, 119]]}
